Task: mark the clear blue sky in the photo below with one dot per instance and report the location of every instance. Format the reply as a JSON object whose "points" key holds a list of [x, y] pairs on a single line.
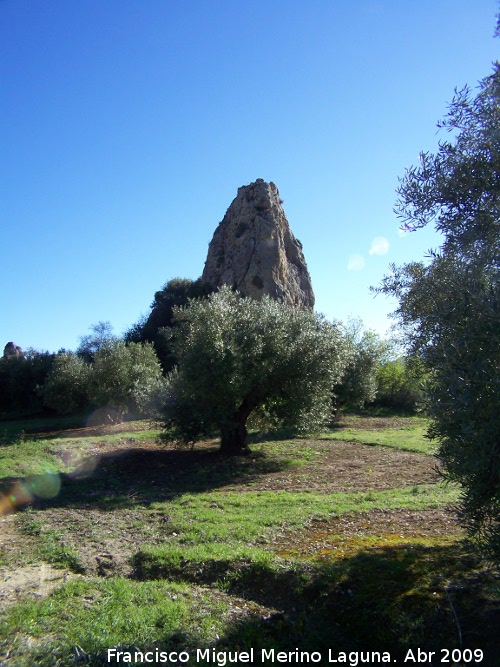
{"points": [[126, 127]]}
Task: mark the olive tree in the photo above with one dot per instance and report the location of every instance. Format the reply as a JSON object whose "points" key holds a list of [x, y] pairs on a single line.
{"points": [[124, 376], [121, 377], [66, 386], [155, 328], [449, 307], [358, 384], [401, 384], [238, 358]]}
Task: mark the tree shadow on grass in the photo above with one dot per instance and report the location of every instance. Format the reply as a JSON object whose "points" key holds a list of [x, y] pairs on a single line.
{"points": [[383, 599], [36, 427], [139, 476]]}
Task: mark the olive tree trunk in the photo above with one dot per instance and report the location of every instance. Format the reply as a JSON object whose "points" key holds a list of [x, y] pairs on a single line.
{"points": [[233, 441]]}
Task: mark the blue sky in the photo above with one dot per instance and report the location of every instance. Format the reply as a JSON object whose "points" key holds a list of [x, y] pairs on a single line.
{"points": [[127, 126]]}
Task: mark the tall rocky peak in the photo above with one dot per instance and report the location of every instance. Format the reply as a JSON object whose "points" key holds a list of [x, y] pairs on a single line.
{"points": [[12, 350], [254, 251]]}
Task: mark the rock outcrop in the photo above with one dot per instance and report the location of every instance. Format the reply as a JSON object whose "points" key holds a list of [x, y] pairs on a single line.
{"points": [[254, 251], [12, 350]]}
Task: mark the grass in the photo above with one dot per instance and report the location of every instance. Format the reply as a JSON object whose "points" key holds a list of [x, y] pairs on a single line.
{"points": [[218, 558], [100, 614], [13, 429], [410, 438], [50, 546], [380, 599], [220, 528], [28, 457], [36, 456], [123, 438], [231, 517]]}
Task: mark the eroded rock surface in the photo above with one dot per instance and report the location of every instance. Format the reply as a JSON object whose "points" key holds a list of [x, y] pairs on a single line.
{"points": [[12, 350], [254, 250]]}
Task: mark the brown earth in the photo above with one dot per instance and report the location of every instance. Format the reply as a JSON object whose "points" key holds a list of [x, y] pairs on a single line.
{"points": [[105, 540], [100, 515], [28, 580]]}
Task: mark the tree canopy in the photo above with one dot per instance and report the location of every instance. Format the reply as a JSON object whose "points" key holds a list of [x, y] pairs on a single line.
{"points": [[155, 327], [102, 333], [358, 385], [449, 307], [238, 357], [21, 379], [122, 377]]}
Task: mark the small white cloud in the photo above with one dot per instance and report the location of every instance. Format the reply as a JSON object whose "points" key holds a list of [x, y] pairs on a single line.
{"points": [[380, 246], [356, 262]]}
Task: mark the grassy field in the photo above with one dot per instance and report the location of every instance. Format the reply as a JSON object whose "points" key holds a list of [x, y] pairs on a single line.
{"points": [[404, 434], [342, 543]]}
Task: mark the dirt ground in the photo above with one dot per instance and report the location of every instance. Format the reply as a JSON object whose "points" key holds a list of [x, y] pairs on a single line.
{"points": [[27, 581], [105, 540]]}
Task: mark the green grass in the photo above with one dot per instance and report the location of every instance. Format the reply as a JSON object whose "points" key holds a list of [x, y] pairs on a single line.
{"points": [[407, 438], [127, 438], [28, 457], [226, 527], [50, 546], [99, 614], [221, 517], [388, 598], [293, 453], [12, 429], [37, 456], [207, 571]]}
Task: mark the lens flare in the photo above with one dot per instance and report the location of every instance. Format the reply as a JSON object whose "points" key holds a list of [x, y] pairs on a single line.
{"points": [[44, 486], [356, 262], [19, 494], [79, 466], [380, 246]]}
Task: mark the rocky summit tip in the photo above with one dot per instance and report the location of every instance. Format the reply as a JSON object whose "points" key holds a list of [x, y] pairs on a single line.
{"points": [[254, 250]]}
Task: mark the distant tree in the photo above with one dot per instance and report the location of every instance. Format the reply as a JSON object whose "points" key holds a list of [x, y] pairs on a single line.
{"points": [[237, 357], [102, 333], [124, 376], [136, 332], [175, 293], [66, 386], [401, 385], [358, 384], [449, 308], [155, 327], [20, 381], [121, 378]]}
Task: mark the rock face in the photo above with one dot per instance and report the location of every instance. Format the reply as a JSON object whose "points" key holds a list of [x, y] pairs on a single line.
{"points": [[254, 251], [12, 350]]}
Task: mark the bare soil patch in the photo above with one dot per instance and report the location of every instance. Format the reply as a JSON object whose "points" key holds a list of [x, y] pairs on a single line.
{"points": [[371, 423], [12, 544], [105, 539], [28, 580], [349, 467], [341, 535]]}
